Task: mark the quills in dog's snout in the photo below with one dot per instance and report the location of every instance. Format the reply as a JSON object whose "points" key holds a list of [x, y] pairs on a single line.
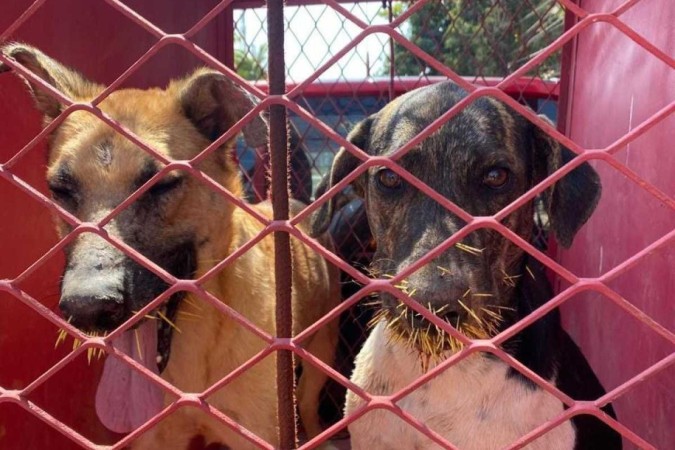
{"points": [[468, 249], [168, 321], [93, 350], [444, 271], [138, 343], [511, 280], [190, 317], [431, 342], [62, 335], [529, 271]]}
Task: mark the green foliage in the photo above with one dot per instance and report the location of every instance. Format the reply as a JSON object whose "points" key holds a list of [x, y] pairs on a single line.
{"points": [[480, 37], [250, 62]]}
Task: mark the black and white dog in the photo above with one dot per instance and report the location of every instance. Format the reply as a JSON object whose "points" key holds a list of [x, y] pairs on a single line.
{"points": [[482, 159]]}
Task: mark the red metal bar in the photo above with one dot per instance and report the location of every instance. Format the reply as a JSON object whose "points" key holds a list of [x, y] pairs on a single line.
{"points": [[530, 87], [27, 14], [625, 7], [576, 29], [283, 270], [137, 18], [392, 53], [573, 7], [567, 77], [36, 411], [208, 17]]}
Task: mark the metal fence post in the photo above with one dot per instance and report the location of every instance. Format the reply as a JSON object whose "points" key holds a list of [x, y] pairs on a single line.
{"points": [[282, 260]]}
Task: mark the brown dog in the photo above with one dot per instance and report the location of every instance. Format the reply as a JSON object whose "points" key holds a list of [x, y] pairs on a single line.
{"points": [[186, 228]]}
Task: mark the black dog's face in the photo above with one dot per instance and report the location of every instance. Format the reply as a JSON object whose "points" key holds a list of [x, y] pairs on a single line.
{"points": [[479, 161], [483, 159]]}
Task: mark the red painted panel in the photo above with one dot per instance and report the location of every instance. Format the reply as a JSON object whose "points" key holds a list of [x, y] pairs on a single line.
{"points": [[616, 86], [101, 43]]}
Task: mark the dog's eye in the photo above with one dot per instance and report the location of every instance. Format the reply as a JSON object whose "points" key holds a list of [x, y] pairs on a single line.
{"points": [[389, 179], [496, 178], [165, 186], [62, 194]]}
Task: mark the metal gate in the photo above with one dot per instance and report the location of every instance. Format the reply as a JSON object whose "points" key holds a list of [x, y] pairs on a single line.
{"points": [[400, 47]]}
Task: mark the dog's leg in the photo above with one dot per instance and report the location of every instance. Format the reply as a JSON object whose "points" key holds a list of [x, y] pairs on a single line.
{"points": [[311, 381]]}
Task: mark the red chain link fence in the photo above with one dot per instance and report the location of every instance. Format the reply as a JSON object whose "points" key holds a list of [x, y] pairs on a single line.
{"points": [[613, 101]]}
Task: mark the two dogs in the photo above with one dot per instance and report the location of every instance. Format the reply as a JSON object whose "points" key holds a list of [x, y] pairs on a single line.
{"points": [[482, 159], [186, 228]]}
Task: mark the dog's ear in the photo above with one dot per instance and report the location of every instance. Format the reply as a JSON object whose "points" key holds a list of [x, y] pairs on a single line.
{"points": [[571, 200], [343, 164], [213, 104], [67, 81]]}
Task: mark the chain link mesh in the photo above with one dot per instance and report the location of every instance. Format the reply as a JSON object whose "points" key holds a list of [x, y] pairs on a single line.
{"points": [[344, 62]]}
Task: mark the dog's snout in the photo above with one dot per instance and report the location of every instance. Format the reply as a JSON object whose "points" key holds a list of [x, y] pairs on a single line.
{"points": [[444, 302], [93, 299], [93, 312], [443, 292], [92, 290], [437, 286]]}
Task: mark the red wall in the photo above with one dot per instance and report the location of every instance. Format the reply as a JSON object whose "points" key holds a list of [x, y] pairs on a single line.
{"points": [[101, 43], [616, 86]]}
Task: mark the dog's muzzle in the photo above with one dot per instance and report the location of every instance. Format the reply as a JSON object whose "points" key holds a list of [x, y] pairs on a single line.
{"points": [[101, 289]]}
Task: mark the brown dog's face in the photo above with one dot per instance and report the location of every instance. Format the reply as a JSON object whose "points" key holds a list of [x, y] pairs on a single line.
{"points": [[92, 169], [483, 159]]}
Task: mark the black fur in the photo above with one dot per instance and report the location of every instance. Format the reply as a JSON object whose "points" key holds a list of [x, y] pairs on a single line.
{"points": [[406, 224], [546, 349]]}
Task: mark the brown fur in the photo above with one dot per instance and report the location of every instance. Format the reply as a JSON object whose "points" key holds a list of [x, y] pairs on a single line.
{"points": [[179, 122]]}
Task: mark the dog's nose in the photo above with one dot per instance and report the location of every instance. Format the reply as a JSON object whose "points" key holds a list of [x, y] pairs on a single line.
{"points": [[93, 286], [445, 298], [443, 303], [93, 312], [93, 299]]}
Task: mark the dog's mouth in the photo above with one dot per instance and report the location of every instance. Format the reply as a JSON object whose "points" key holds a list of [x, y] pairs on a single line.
{"points": [[431, 342], [165, 328], [125, 398]]}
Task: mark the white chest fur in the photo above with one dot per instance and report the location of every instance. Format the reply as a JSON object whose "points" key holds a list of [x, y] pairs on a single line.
{"points": [[473, 404]]}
